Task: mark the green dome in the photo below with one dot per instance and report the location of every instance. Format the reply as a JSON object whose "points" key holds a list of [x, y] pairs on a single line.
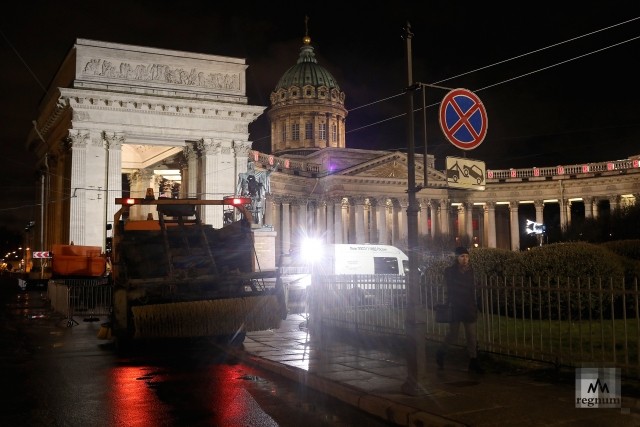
{"points": [[307, 72]]}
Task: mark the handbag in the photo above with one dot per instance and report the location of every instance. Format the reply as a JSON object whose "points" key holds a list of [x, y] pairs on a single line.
{"points": [[444, 313]]}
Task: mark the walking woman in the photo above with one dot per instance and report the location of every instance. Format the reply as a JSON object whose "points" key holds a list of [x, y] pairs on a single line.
{"points": [[461, 297]]}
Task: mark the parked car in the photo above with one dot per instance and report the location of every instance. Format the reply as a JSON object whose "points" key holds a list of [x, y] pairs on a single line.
{"points": [[475, 172]]}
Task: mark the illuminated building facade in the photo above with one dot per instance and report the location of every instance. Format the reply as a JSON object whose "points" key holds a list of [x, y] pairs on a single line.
{"points": [[120, 118]]}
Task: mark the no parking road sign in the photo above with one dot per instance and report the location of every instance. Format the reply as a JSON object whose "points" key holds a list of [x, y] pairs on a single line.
{"points": [[463, 119]]}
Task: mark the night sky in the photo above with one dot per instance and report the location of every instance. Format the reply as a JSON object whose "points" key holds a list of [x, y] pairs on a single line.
{"points": [[550, 100]]}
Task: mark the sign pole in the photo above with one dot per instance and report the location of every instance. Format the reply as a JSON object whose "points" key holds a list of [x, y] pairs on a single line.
{"points": [[424, 129], [415, 321]]}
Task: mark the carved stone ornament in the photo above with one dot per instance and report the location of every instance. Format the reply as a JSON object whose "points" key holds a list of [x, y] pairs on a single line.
{"points": [[161, 73]]}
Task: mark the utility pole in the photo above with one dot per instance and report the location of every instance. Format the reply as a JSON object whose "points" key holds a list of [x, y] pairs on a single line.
{"points": [[415, 321]]}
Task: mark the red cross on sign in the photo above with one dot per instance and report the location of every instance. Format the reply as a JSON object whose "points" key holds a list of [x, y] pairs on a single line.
{"points": [[463, 119]]}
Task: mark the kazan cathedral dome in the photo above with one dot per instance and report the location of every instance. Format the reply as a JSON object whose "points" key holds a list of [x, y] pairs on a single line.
{"points": [[307, 107]]}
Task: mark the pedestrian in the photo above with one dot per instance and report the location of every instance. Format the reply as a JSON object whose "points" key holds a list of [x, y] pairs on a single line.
{"points": [[460, 295]]}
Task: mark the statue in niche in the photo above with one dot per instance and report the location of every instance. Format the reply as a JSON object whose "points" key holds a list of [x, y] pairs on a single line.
{"points": [[255, 185]]}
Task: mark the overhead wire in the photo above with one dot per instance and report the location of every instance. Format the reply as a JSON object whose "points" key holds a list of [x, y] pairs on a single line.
{"points": [[437, 82], [23, 62], [538, 50], [486, 67], [506, 80]]}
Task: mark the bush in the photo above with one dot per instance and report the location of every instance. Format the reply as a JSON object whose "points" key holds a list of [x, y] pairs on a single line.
{"points": [[556, 280], [626, 248], [496, 262], [572, 260]]}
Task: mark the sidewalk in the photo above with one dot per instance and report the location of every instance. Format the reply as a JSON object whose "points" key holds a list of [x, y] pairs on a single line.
{"points": [[370, 378]]}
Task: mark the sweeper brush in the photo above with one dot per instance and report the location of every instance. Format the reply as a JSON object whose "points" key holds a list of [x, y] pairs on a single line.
{"points": [[206, 318], [176, 277]]}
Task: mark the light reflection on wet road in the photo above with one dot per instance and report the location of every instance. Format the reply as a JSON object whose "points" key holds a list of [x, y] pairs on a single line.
{"points": [[54, 375]]}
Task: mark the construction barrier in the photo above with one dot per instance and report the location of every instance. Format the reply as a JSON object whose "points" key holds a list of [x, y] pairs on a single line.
{"points": [[89, 298]]}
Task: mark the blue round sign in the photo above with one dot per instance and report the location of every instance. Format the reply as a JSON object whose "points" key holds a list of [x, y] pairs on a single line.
{"points": [[463, 119]]}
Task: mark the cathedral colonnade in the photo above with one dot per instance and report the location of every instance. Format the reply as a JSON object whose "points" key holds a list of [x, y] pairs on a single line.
{"points": [[461, 218]]}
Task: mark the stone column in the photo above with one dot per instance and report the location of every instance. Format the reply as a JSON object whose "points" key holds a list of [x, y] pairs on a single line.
{"points": [[421, 218], [468, 220], [396, 222], [588, 207], [268, 210], [444, 216], [57, 227], [78, 143], [490, 212], [310, 225], [368, 229], [358, 205], [241, 151], [276, 222], [433, 215], [539, 205], [210, 162], [114, 143], [338, 221], [479, 238], [191, 183], [614, 203], [381, 220], [515, 229], [569, 205], [460, 213], [139, 182], [563, 214], [330, 234], [301, 222], [321, 218], [596, 208], [373, 221], [286, 225], [95, 191]]}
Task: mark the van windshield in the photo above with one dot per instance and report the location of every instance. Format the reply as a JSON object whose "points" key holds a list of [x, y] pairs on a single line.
{"points": [[385, 265]]}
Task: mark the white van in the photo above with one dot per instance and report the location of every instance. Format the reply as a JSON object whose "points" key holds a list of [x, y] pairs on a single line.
{"points": [[363, 259], [296, 268]]}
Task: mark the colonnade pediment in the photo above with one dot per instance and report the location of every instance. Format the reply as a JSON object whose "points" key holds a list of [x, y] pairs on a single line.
{"points": [[392, 165]]}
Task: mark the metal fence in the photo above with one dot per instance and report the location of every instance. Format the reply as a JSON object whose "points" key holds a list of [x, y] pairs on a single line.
{"points": [[563, 320], [89, 298]]}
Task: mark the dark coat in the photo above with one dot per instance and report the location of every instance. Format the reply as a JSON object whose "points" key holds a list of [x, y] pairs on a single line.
{"points": [[461, 293]]}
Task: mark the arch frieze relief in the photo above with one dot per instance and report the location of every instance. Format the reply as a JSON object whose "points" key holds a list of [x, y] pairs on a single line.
{"points": [[162, 74]]}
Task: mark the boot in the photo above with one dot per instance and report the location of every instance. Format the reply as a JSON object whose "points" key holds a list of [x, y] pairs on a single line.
{"points": [[474, 366], [440, 359]]}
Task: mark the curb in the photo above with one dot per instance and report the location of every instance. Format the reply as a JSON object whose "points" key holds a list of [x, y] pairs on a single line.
{"points": [[379, 406]]}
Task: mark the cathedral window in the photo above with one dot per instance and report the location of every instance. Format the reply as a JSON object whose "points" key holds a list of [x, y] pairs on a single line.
{"points": [[295, 131], [334, 133], [284, 133], [322, 131], [308, 130]]}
